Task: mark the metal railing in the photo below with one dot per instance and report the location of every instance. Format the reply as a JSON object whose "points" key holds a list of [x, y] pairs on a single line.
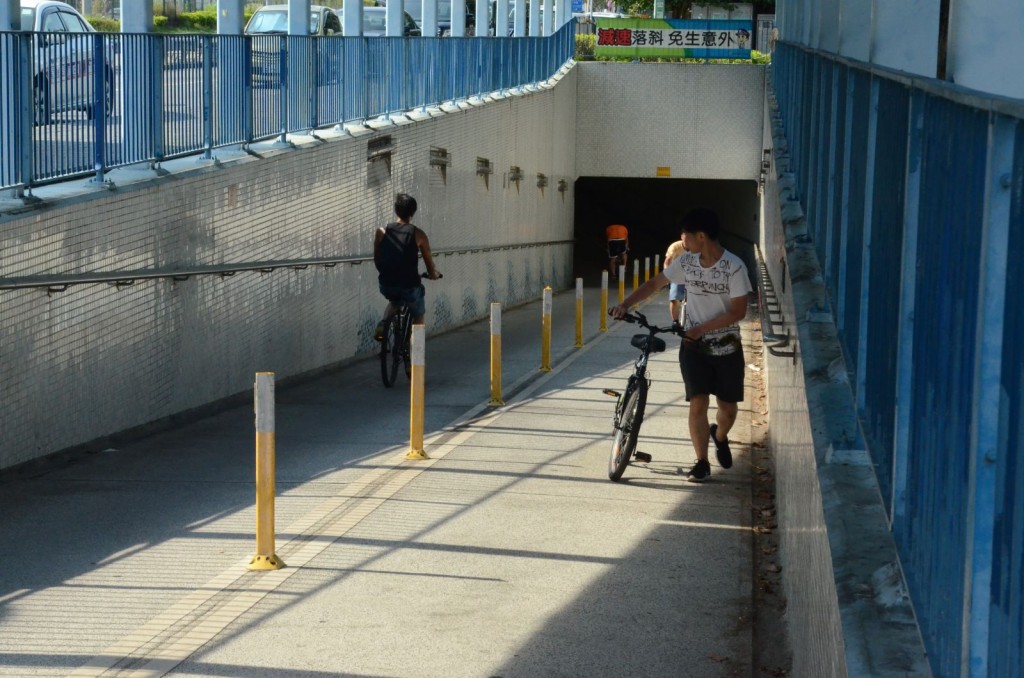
{"points": [[914, 196], [94, 101], [53, 284], [769, 305]]}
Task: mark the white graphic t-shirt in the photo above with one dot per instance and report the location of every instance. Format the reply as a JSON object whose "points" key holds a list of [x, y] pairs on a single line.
{"points": [[709, 292]]}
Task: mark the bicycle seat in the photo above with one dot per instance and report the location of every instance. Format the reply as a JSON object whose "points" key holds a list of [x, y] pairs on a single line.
{"points": [[640, 342]]}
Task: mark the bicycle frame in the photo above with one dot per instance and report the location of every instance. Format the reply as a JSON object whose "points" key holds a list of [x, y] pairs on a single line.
{"points": [[629, 408]]}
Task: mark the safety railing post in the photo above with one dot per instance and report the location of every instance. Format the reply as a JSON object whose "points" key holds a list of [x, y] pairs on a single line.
{"points": [[604, 302], [99, 105], [417, 352], [579, 313], [266, 557], [545, 331], [208, 97], [496, 355]]}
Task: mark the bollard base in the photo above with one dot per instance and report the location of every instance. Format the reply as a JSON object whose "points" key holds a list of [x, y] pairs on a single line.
{"points": [[416, 454], [495, 402], [545, 369], [578, 344], [271, 562]]}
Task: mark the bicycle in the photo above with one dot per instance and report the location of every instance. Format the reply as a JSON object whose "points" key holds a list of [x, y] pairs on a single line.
{"points": [[629, 409], [394, 348]]}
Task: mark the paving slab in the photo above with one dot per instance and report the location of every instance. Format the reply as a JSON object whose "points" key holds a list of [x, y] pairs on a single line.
{"points": [[507, 553]]}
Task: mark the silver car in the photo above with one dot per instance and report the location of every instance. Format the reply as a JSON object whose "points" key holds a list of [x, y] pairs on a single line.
{"points": [[63, 45]]}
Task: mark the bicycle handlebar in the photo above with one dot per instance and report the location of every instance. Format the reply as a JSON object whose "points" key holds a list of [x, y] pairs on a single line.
{"points": [[427, 275], [640, 319]]}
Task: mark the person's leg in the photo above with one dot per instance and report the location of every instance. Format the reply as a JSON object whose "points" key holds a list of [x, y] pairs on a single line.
{"points": [[729, 374], [698, 379], [699, 427], [725, 418], [417, 301]]}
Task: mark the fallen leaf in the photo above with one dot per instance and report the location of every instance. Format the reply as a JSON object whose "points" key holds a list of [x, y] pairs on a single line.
{"points": [[717, 658]]}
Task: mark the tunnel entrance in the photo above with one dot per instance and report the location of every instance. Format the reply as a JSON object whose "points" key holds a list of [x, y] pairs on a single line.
{"points": [[651, 209]]}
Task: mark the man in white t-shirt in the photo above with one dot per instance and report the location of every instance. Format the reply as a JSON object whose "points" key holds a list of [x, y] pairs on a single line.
{"points": [[711, 355]]}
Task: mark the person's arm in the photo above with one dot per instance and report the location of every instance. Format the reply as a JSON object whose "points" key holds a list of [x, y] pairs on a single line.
{"points": [[378, 237], [737, 311], [641, 293], [424, 244]]}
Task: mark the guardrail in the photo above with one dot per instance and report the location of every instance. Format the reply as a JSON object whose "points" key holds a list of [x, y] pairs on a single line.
{"points": [[60, 283], [769, 305], [97, 101], [913, 191]]}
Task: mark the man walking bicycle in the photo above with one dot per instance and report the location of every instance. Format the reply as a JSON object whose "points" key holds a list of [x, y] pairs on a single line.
{"points": [[711, 354]]}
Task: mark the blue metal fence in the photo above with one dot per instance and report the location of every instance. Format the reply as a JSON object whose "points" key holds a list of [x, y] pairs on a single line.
{"points": [[103, 100], [921, 252]]}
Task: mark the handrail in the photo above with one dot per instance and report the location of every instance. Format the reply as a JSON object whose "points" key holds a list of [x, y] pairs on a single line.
{"points": [[59, 283], [769, 304]]}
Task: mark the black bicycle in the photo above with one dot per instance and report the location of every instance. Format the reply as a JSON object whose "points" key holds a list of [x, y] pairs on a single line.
{"points": [[629, 410], [394, 349]]}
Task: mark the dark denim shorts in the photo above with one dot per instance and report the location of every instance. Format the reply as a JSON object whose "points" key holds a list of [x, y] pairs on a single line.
{"points": [[413, 297]]}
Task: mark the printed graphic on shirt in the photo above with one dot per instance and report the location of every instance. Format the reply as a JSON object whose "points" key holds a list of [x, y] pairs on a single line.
{"points": [[709, 294]]}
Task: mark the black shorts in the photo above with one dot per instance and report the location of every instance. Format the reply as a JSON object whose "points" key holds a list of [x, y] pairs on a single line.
{"points": [[717, 375], [615, 248]]}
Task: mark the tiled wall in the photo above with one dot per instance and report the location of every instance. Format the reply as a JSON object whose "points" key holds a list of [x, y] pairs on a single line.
{"points": [[701, 121], [98, 359]]}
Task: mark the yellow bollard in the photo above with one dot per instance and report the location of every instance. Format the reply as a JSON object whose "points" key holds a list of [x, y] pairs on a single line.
{"points": [[604, 302], [657, 258], [496, 355], [622, 283], [265, 558], [636, 274], [417, 353], [579, 313], [545, 331], [647, 269]]}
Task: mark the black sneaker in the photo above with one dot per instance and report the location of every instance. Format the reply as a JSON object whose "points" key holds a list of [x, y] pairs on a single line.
{"points": [[722, 451], [700, 472]]}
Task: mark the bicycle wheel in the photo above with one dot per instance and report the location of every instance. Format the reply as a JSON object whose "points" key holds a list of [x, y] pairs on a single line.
{"points": [[390, 351], [406, 345], [628, 430]]}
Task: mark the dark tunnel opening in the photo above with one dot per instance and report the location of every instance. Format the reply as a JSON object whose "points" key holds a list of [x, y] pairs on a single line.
{"points": [[652, 209]]}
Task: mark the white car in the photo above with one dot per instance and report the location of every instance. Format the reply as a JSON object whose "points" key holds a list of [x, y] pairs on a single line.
{"points": [[272, 20], [62, 53]]}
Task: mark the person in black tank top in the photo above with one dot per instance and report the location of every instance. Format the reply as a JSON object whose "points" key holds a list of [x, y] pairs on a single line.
{"points": [[396, 251]]}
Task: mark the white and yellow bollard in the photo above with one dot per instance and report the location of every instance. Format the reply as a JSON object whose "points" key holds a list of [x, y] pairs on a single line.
{"points": [[579, 313], [545, 331], [604, 302], [622, 283], [417, 352], [265, 558], [496, 355], [647, 269], [636, 274], [657, 262]]}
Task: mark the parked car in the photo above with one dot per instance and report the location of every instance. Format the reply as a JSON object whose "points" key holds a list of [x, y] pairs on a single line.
{"points": [[444, 16], [273, 20], [269, 24], [375, 23], [62, 53]]}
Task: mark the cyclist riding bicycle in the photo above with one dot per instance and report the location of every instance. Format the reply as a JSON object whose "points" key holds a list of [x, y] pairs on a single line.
{"points": [[396, 250], [618, 247]]}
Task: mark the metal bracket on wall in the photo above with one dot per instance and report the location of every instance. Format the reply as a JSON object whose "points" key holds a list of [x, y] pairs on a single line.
{"points": [[769, 305]]}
